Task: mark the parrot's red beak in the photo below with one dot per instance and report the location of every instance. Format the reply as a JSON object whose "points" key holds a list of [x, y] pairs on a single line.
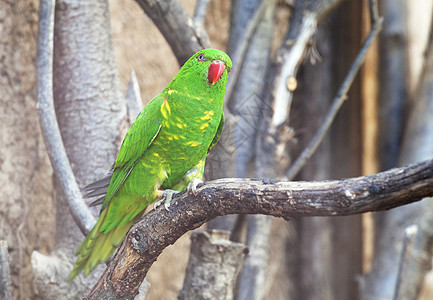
{"points": [[216, 69]]}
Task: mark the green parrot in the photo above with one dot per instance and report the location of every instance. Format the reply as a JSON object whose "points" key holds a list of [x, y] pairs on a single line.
{"points": [[164, 151]]}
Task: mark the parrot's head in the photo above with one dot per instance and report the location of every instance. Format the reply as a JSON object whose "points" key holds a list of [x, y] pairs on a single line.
{"points": [[210, 66], [212, 63], [203, 76]]}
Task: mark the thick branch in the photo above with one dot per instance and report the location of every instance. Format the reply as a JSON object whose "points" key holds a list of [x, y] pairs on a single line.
{"points": [[160, 228], [184, 37]]}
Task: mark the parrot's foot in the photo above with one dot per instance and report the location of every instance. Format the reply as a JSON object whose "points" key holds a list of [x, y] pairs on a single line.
{"points": [[165, 196], [192, 186]]}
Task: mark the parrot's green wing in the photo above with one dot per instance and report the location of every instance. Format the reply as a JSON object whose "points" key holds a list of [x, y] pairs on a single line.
{"points": [[217, 134], [139, 137]]}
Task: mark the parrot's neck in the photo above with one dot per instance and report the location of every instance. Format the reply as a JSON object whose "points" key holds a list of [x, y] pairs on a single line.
{"points": [[194, 88], [182, 103], [195, 99]]}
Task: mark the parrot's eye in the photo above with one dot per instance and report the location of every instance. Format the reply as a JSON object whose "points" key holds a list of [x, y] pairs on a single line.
{"points": [[200, 57]]}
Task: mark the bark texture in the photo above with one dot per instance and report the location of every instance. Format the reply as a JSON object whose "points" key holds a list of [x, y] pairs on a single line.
{"points": [[26, 205]]}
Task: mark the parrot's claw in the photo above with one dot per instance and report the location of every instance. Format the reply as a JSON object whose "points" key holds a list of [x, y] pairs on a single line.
{"points": [[192, 186], [166, 196]]}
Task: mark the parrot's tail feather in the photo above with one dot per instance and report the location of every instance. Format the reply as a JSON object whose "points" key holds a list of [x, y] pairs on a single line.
{"points": [[133, 212], [100, 183], [98, 247], [98, 188], [96, 192], [98, 201]]}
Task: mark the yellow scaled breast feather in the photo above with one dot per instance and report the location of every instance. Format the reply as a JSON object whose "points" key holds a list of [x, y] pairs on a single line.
{"points": [[165, 109]]}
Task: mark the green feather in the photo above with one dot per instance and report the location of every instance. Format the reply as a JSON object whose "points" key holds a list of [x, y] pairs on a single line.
{"points": [[218, 134], [138, 138]]}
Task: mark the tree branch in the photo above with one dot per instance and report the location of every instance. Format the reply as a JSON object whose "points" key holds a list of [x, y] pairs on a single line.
{"points": [[177, 27], [47, 118], [160, 228]]}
